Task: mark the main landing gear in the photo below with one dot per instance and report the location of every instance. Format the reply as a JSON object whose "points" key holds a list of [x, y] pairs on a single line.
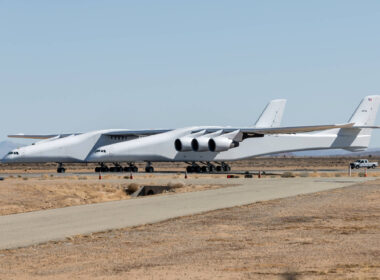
{"points": [[60, 168], [116, 168], [208, 167], [149, 168]]}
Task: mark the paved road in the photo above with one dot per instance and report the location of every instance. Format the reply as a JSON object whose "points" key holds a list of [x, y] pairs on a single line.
{"points": [[41, 226]]}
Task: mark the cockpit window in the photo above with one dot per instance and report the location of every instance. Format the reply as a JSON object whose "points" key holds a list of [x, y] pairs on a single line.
{"points": [[100, 151], [13, 153]]}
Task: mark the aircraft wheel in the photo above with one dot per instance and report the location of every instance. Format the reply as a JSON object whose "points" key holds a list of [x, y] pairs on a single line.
{"points": [[226, 168], [134, 169], [97, 169], [149, 169], [205, 169], [61, 170], [218, 168], [112, 169], [189, 169], [197, 169], [127, 169], [211, 168]]}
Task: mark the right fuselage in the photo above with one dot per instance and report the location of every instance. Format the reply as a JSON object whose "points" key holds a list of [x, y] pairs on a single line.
{"points": [[161, 147]]}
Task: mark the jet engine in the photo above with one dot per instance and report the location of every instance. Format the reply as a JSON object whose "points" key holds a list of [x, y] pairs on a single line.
{"points": [[200, 144], [225, 142], [183, 144], [221, 144]]}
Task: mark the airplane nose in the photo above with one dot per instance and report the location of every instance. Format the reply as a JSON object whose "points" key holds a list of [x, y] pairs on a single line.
{"points": [[8, 159], [5, 159]]}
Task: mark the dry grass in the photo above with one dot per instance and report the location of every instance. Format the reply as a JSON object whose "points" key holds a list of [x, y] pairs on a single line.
{"points": [[17, 196], [327, 235]]}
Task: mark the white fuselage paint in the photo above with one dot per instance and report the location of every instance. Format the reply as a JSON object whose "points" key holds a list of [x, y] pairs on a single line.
{"points": [[161, 147]]}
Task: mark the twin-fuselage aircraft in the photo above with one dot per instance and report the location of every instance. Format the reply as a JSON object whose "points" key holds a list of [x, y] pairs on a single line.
{"points": [[204, 148]]}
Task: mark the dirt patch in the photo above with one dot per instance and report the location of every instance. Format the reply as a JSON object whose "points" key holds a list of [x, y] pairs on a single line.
{"points": [[24, 194], [333, 234]]}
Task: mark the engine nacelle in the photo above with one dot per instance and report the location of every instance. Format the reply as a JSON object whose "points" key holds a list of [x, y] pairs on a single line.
{"points": [[183, 144], [200, 144], [221, 144]]}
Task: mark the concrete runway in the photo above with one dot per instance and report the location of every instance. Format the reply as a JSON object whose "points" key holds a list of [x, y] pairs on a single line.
{"points": [[41, 226]]}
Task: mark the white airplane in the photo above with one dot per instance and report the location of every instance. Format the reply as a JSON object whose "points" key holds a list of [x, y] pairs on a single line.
{"points": [[204, 144], [69, 148]]}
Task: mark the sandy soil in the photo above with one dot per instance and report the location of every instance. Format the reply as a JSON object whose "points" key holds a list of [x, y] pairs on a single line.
{"points": [[18, 195], [333, 234]]}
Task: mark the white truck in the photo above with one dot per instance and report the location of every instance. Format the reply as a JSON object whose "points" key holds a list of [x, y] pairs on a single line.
{"points": [[363, 163]]}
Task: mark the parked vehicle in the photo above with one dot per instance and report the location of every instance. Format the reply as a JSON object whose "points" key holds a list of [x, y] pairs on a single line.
{"points": [[363, 163]]}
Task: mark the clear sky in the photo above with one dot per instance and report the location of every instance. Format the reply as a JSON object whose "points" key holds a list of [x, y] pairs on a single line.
{"points": [[76, 66]]}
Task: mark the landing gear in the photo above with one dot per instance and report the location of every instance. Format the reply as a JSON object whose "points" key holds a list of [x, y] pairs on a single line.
{"points": [[131, 168], [116, 168], [194, 168], [207, 168], [102, 168], [60, 168], [149, 168], [226, 167]]}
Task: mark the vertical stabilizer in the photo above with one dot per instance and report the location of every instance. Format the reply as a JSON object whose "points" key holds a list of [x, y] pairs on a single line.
{"points": [[365, 114], [358, 137], [272, 114]]}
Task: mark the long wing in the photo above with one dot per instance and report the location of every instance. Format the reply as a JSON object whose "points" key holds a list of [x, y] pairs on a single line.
{"points": [[254, 132], [116, 132], [247, 131], [40, 136]]}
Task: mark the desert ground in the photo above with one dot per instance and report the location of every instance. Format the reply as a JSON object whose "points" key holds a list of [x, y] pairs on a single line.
{"points": [[327, 235], [38, 187]]}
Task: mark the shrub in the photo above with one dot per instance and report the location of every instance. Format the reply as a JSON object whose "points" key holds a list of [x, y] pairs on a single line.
{"points": [[304, 174], [176, 185], [287, 175], [131, 188]]}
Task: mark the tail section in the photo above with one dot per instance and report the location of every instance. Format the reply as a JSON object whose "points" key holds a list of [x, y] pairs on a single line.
{"points": [[365, 114], [358, 137], [272, 114]]}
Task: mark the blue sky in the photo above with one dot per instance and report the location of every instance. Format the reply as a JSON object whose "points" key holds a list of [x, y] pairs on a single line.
{"points": [[75, 66]]}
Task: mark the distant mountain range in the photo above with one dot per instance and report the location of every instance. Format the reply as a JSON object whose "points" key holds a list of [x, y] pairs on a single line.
{"points": [[7, 146]]}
